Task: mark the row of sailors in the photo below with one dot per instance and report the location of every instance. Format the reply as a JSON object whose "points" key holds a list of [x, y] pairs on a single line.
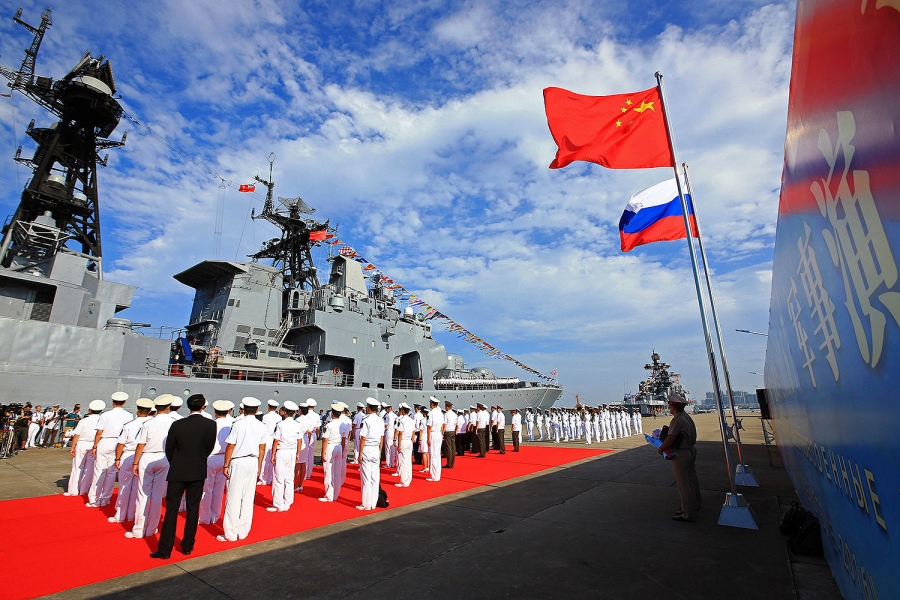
{"points": [[276, 450], [602, 423], [492, 381]]}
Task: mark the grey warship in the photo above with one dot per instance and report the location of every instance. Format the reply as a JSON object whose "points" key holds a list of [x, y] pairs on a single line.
{"points": [[265, 330]]}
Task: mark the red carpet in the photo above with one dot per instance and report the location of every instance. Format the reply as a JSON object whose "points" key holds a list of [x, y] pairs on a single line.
{"points": [[40, 563]]}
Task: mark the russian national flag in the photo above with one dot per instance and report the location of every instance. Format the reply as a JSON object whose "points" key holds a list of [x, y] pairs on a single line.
{"points": [[654, 215]]}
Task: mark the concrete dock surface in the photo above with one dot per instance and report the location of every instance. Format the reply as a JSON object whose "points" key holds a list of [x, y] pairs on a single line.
{"points": [[597, 528]]}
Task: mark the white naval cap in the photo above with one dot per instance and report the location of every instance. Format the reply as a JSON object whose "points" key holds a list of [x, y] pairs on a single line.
{"points": [[177, 402], [119, 397], [250, 401], [163, 400], [360, 405], [434, 399], [344, 406], [289, 405], [472, 407], [385, 405], [144, 403], [336, 406], [404, 405], [272, 403], [310, 402], [372, 401], [97, 405], [223, 405]]}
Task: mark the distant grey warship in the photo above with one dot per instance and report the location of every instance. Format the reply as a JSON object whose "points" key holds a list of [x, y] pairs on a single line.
{"points": [[269, 331]]}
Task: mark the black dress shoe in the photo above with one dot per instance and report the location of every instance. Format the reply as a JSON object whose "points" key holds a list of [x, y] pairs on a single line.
{"points": [[187, 552], [159, 554]]}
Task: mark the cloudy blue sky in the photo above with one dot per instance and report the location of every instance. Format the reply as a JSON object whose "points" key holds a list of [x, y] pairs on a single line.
{"points": [[418, 128]]}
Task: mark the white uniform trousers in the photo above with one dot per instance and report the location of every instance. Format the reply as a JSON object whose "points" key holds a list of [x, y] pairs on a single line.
{"points": [[239, 498], [370, 476], [310, 455], [556, 431], [332, 465], [342, 464], [82, 468], [390, 454], [268, 469], [127, 498], [283, 478], [33, 430], [152, 470], [104, 475], [530, 428], [404, 462], [434, 449], [356, 446], [213, 489], [587, 431]]}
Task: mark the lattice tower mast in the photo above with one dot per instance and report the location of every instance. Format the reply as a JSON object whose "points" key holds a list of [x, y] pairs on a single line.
{"points": [[64, 183], [292, 252]]}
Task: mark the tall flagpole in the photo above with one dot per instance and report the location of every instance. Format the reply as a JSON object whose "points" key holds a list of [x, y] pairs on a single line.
{"points": [[735, 511], [742, 476]]}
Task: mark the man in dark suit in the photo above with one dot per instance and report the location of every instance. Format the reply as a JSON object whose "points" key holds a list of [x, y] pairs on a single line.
{"points": [[189, 443]]}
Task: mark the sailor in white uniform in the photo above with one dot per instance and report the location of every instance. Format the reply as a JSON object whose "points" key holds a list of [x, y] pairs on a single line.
{"points": [[588, 426], [406, 427], [285, 452], [34, 427], [515, 423], [435, 424], [346, 432], [371, 436], [126, 444], [151, 468], [529, 423], [214, 485], [332, 454], [270, 420], [390, 450], [358, 416], [315, 426], [109, 426], [244, 451], [82, 473]]}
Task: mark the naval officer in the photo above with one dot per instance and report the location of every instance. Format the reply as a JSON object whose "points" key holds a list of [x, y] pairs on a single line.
{"points": [[83, 459], [450, 421], [285, 453], [406, 427], [516, 424], [270, 420], [244, 451], [125, 447], [151, 467], [371, 437], [109, 426], [435, 426], [214, 485], [332, 453]]}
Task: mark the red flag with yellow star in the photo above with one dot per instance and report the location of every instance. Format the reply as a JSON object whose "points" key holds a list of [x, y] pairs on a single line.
{"points": [[624, 131]]}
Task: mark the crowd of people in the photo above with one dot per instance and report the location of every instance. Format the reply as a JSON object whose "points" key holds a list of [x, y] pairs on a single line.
{"points": [[27, 426], [598, 424], [210, 465]]}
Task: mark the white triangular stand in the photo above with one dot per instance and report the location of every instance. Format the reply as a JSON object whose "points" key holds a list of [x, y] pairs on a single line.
{"points": [[743, 476], [737, 513]]}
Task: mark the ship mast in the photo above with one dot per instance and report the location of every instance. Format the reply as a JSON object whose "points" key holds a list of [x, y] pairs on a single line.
{"points": [[60, 203], [292, 252]]}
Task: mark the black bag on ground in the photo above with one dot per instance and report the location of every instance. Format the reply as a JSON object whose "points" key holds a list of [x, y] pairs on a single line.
{"points": [[793, 519], [808, 539], [382, 501]]}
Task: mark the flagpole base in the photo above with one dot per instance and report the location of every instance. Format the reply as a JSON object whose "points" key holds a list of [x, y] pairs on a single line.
{"points": [[737, 513], [743, 477]]}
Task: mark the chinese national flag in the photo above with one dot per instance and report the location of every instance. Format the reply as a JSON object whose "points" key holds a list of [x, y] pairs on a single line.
{"points": [[318, 236], [624, 131], [247, 187]]}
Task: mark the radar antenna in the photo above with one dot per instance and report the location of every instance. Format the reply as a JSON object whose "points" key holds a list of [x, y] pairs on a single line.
{"points": [[292, 252], [60, 202]]}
